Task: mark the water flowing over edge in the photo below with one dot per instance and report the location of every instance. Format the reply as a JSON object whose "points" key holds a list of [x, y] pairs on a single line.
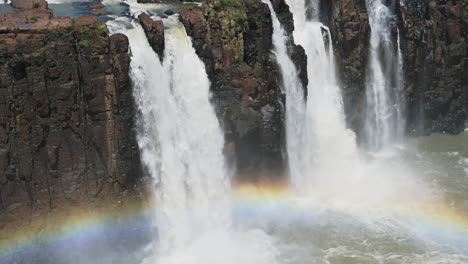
{"points": [[181, 145], [385, 122]]}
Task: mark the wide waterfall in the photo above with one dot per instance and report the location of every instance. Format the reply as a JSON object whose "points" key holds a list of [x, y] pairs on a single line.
{"points": [[388, 199], [384, 120], [182, 148]]}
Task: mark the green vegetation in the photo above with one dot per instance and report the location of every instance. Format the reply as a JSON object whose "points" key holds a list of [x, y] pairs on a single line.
{"points": [[84, 43], [36, 5], [224, 4], [34, 19], [239, 17], [91, 37]]}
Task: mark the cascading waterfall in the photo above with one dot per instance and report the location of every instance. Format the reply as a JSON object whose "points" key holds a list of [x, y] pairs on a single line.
{"points": [[326, 140], [295, 101], [176, 121], [328, 169], [182, 147], [384, 118]]}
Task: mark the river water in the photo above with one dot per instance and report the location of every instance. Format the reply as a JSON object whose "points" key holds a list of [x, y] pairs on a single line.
{"points": [[417, 215]]}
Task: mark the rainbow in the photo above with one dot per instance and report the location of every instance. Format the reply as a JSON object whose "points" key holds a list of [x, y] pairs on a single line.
{"points": [[78, 226], [441, 221]]}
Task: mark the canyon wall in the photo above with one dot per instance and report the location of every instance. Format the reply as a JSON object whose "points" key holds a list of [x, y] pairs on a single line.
{"points": [[433, 42], [67, 118], [435, 58]]}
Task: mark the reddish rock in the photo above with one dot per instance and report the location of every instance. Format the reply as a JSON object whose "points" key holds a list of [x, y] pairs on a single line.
{"points": [[29, 4], [454, 31]]}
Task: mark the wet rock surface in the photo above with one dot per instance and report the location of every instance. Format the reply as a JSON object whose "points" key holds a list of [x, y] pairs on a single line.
{"points": [[435, 58], [350, 33], [66, 113], [235, 42], [433, 42]]}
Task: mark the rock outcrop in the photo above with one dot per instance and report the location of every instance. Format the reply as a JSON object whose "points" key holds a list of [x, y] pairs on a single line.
{"points": [[296, 52], [66, 113], [154, 31], [234, 40], [435, 58], [349, 25]]}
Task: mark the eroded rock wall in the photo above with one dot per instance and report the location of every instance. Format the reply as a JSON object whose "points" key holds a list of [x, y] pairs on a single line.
{"points": [[66, 115], [433, 41], [234, 40], [350, 33], [435, 57]]}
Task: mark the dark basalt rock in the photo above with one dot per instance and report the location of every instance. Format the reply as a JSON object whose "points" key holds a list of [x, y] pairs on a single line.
{"points": [[433, 41], [435, 56], [154, 31], [66, 115], [235, 44], [350, 33]]}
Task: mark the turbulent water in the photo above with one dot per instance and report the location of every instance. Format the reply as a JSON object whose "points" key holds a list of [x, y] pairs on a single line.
{"points": [[384, 80]]}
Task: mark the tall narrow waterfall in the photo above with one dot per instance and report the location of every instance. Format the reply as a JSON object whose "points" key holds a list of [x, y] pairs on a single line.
{"points": [[326, 141], [384, 82], [295, 101]]}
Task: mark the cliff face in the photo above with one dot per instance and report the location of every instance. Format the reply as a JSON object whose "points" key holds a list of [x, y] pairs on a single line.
{"points": [[349, 26], [234, 40], [433, 41], [66, 113], [435, 56]]}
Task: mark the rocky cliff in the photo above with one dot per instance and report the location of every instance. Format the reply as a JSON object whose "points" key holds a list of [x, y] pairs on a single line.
{"points": [[349, 26], [433, 41], [234, 40], [66, 112], [435, 58]]}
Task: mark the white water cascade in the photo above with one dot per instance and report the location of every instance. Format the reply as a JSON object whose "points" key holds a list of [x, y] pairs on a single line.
{"points": [[182, 147], [327, 146], [180, 137], [384, 120], [295, 101]]}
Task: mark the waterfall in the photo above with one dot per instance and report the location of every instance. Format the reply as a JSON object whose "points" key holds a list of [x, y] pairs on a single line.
{"points": [[181, 143], [384, 82], [327, 146], [180, 137], [295, 101], [400, 98]]}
